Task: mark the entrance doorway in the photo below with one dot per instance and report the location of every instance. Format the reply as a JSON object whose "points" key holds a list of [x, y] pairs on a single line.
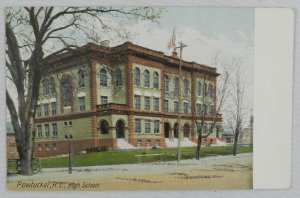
{"points": [[176, 130], [167, 130], [120, 129]]}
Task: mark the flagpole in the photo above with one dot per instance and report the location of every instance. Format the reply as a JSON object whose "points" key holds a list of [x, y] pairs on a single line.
{"points": [[181, 46]]}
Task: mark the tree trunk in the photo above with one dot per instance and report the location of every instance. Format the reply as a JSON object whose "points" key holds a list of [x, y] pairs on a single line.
{"points": [[26, 149], [198, 146], [234, 150], [26, 163]]}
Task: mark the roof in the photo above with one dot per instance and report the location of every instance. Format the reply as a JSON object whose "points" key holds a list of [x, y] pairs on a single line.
{"points": [[9, 128], [133, 49]]}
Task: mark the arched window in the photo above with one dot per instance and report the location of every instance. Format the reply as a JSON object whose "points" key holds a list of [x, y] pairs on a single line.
{"points": [[176, 84], [137, 76], [46, 86], [205, 90], [155, 80], [167, 84], [211, 91], [67, 96], [146, 79], [118, 77], [103, 77], [52, 86], [104, 127], [80, 78], [199, 88], [186, 86]]}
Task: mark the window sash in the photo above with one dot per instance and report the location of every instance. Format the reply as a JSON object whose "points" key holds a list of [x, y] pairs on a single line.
{"points": [[137, 101], [81, 103], [156, 104], [53, 108], [176, 107], [138, 126], [156, 126], [104, 99], [47, 130], [40, 130], [137, 77], [186, 107], [147, 102], [46, 109], [199, 89], [155, 81], [147, 126], [54, 130], [146, 80], [166, 106]]}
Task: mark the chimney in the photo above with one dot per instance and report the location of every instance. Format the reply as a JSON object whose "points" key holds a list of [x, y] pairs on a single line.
{"points": [[105, 43], [174, 54]]}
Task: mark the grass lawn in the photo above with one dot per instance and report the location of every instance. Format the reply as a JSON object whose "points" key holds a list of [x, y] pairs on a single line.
{"points": [[128, 157]]}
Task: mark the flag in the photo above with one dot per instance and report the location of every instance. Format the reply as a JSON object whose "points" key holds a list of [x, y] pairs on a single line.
{"points": [[172, 42]]}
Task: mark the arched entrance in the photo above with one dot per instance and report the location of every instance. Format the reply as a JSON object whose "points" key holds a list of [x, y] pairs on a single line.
{"points": [[186, 130], [120, 129], [167, 130], [176, 130]]}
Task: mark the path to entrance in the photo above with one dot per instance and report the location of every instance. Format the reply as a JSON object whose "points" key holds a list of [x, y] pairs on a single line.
{"points": [[218, 172]]}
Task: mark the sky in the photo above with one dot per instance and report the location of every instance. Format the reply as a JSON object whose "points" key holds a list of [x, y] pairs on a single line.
{"points": [[227, 32]]}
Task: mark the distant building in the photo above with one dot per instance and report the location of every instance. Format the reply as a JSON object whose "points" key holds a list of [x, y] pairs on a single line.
{"points": [[245, 136], [11, 147], [227, 136], [122, 97]]}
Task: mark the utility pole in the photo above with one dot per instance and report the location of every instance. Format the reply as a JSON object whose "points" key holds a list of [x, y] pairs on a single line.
{"points": [[181, 46]]}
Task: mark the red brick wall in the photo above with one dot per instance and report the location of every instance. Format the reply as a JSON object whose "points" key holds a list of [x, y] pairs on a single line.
{"points": [[144, 142], [11, 147]]}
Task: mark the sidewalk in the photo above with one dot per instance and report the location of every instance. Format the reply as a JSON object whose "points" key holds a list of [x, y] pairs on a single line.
{"points": [[109, 171]]}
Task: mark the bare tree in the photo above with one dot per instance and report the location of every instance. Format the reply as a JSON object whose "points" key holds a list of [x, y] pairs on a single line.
{"points": [[35, 34], [236, 115], [222, 95]]}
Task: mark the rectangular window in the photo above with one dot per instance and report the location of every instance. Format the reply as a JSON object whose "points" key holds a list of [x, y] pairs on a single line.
{"points": [[157, 143], [176, 106], [38, 110], [199, 88], [156, 126], [46, 109], [156, 104], [148, 143], [166, 106], [147, 126], [186, 107], [139, 143], [54, 130], [204, 110], [204, 129], [211, 109], [138, 128], [147, 102], [53, 108], [47, 130], [137, 101], [40, 131], [198, 109], [167, 87], [82, 103], [104, 99]]}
